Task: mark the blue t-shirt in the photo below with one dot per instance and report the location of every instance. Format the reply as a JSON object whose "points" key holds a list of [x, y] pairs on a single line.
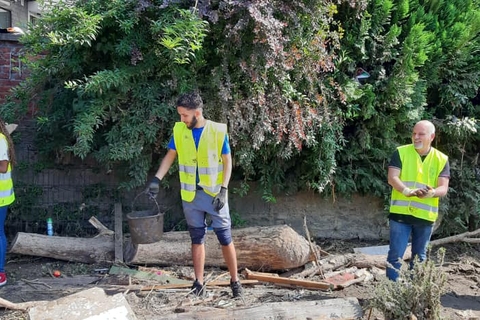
{"points": [[197, 132]]}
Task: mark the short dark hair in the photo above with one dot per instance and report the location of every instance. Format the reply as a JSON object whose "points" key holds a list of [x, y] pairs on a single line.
{"points": [[190, 100]]}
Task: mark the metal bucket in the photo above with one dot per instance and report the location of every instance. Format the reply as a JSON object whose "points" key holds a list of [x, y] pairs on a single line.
{"points": [[145, 226]]}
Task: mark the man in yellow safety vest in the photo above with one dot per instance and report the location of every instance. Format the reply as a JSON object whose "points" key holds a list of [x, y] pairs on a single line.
{"points": [[419, 175], [205, 167]]}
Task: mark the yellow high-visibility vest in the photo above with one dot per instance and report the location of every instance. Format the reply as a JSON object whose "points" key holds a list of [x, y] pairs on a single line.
{"points": [[7, 196], [417, 174], [207, 159]]}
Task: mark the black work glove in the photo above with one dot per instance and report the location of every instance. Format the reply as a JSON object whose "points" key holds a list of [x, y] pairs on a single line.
{"points": [[153, 187], [220, 199]]}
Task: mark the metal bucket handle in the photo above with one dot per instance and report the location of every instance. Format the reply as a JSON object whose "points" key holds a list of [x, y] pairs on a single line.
{"points": [[149, 197]]}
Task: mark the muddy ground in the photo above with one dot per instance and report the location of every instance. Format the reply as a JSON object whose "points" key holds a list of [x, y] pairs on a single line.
{"points": [[31, 279]]}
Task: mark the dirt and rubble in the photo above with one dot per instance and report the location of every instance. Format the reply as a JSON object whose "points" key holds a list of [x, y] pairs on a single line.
{"points": [[32, 279]]}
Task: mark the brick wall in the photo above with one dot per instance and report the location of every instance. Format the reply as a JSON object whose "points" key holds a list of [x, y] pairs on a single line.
{"points": [[11, 70]]}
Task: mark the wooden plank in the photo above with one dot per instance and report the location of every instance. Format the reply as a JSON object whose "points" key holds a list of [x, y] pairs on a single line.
{"points": [[339, 308], [118, 233], [293, 282], [209, 284]]}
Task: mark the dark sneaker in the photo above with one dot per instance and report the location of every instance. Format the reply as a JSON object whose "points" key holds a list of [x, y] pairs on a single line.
{"points": [[198, 289], [237, 289], [3, 279]]}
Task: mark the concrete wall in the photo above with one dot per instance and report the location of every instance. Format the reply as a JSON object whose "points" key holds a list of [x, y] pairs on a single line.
{"points": [[358, 217], [354, 218]]}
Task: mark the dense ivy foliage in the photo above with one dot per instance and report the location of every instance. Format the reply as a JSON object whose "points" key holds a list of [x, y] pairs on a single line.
{"points": [[283, 74], [423, 64]]}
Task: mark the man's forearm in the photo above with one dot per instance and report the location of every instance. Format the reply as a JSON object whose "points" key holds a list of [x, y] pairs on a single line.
{"points": [[166, 164], [227, 170]]}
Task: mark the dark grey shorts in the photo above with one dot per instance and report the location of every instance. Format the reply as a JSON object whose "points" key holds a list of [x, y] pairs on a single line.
{"points": [[197, 210]]}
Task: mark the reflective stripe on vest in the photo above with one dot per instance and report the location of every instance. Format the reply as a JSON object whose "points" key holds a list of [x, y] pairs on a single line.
{"points": [[207, 159], [7, 196], [417, 174]]}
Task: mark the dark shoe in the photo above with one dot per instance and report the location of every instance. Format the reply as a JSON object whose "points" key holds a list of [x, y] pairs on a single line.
{"points": [[3, 279], [237, 289], [198, 289]]}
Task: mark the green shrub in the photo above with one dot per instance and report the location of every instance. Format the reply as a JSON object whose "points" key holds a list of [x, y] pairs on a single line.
{"points": [[416, 292]]}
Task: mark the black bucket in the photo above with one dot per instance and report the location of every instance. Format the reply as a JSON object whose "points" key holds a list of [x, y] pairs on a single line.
{"points": [[145, 226]]}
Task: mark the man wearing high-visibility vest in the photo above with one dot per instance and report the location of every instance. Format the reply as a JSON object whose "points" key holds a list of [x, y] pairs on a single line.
{"points": [[7, 196], [205, 167], [419, 175]]}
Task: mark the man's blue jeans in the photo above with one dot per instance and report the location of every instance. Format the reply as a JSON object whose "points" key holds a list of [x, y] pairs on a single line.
{"points": [[399, 236]]}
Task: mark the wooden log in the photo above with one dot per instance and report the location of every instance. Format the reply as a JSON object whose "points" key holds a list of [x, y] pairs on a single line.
{"points": [[258, 248], [338, 308], [100, 248], [85, 250]]}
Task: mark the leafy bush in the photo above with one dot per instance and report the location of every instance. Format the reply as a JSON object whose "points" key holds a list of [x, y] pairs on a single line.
{"points": [[417, 292]]}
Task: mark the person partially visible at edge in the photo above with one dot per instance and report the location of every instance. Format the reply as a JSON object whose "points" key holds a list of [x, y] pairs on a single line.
{"points": [[419, 175], [205, 167], [7, 196]]}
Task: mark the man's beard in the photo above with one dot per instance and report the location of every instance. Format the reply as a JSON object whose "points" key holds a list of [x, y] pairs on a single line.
{"points": [[193, 123], [418, 145]]}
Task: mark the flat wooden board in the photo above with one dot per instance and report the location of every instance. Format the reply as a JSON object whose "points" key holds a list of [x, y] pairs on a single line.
{"points": [[339, 308]]}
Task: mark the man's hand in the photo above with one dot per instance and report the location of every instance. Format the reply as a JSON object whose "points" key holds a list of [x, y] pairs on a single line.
{"points": [[427, 192], [153, 187], [407, 192], [220, 199]]}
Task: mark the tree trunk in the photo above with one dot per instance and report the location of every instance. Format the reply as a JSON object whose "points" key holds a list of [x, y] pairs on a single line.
{"points": [[258, 248], [87, 250]]}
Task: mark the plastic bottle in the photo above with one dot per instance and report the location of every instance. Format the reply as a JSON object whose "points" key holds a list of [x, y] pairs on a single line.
{"points": [[50, 227]]}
